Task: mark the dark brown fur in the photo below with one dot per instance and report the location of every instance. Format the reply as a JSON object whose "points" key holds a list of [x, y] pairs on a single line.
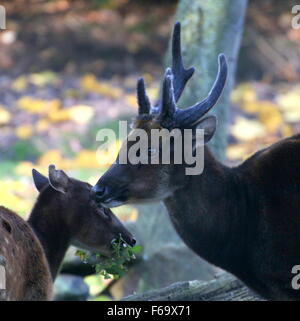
{"points": [[63, 215], [245, 220]]}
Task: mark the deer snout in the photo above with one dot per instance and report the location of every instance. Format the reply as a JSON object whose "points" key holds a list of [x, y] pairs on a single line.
{"points": [[99, 193], [129, 240], [108, 195], [132, 241]]}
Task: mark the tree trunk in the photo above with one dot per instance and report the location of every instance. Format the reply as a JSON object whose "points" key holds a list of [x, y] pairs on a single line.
{"points": [[208, 28]]}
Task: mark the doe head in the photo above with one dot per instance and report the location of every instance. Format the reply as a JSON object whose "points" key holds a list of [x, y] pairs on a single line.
{"points": [[69, 201]]}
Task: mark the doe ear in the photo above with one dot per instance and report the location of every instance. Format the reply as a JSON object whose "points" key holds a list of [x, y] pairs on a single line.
{"points": [[40, 181], [58, 179], [209, 125]]}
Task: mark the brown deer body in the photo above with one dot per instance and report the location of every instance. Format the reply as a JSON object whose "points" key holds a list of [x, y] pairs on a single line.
{"points": [[246, 219], [63, 215]]}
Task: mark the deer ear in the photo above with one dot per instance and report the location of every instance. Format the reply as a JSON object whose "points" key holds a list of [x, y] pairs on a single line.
{"points": [[208, 124], [58, 179], [40, 181]]}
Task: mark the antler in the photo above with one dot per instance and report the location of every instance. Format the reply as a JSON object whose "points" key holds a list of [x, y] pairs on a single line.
{"points": [[143, 100], [174, 82], [181, 75], [192, 114], [168, 103]]}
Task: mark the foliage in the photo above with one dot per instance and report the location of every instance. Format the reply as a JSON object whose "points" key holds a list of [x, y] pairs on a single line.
{"points": [[114, 266]]}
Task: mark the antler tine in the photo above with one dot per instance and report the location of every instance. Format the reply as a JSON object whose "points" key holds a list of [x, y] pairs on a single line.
{"points": [[143, 100], [168, 104], [192, 114], [181, 75]]}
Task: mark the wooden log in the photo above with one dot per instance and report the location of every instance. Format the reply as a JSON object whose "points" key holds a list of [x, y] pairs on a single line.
{"points": [[224, 288]]}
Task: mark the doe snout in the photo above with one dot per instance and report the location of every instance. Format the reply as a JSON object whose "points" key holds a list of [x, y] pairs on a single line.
{"points": [[130, 240]]}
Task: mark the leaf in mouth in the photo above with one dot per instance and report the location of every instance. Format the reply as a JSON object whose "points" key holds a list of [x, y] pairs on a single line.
{"points": [[113, 267]]}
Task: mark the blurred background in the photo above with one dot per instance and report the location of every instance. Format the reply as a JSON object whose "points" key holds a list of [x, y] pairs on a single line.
{"points": [[69, 68]]}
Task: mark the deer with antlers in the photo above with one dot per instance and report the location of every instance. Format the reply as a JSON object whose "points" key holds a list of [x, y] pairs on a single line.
{"points": [[64, 215], [245, 219]]}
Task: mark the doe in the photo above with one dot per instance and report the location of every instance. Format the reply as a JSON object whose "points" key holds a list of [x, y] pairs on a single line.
{"points": [[63, 215]]}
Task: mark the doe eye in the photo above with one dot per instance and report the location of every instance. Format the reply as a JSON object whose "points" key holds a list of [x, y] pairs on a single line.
{"points": [[103, 212], [106, 212]]}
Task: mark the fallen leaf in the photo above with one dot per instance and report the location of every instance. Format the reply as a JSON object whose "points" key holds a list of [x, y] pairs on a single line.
{"points": [[19, 84], [81, 114], [243, 93], [269, 115], [245, 129], [289, 103], [236, 152], [24, 131], [5, 116]]}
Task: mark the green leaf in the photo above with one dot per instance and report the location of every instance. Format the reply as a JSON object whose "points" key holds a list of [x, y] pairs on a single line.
{"points": [[115, 266]]}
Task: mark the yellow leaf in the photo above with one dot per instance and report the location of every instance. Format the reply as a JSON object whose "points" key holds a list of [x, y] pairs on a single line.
{"points": [[42, 125], [152, 92], [52, 105], [43, 78], [107, 91], [148, 78], [243, 93], [5, 116], [52, 156], [24, 168], [34, 106], [88, 82], [245, 129], [12, 195], [107, 157], [59, 116], [38, 106], [24, 131], [81, 114], [250, 106], [131, 100], [19, 84], [269, 115], [236, 152], [289, 100], [87, 159], [289, 104], [286, 131]]}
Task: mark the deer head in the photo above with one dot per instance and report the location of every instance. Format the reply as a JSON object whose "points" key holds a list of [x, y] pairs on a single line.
{"points": [[68, 201], [129, 182]]}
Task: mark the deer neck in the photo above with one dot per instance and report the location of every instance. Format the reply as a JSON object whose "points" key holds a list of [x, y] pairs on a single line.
{"points": [[46, 219], [209, 214]]}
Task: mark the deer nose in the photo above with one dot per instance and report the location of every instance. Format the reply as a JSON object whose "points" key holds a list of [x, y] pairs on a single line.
{"points": [[129, 240], [98, 193]]}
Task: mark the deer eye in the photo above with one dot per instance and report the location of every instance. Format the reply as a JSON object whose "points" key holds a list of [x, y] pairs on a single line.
{"points": [[106, 213], [103, 212]]}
